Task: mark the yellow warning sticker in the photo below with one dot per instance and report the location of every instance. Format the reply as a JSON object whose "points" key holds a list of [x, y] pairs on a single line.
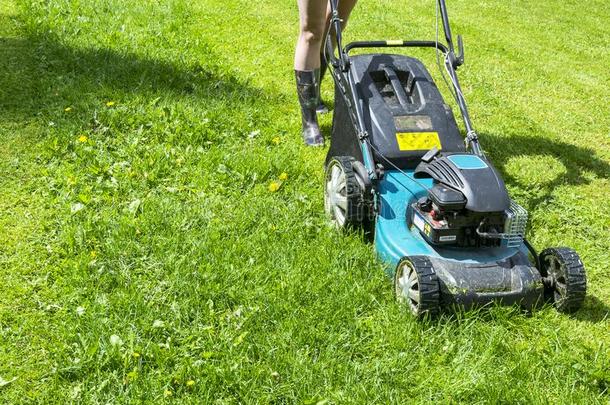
{"points": [[394, 42], [418, 140]]}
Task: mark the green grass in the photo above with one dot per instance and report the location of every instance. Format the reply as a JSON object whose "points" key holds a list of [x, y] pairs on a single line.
{"points": [[153, 253]]}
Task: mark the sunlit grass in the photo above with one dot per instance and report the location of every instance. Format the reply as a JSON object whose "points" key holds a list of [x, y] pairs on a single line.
{"points": [[162, 235]]}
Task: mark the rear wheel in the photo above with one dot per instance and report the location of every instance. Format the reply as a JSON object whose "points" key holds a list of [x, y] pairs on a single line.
{"points": [[564, 277], [343, 193], [416, 285]]}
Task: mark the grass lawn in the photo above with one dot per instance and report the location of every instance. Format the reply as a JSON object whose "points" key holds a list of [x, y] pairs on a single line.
{"points": [[145, 259]]}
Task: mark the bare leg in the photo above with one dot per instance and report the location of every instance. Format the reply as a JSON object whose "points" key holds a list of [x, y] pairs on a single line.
{"points": [[312, 15]]}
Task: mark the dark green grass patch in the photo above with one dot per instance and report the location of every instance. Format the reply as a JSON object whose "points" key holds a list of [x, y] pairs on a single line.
{"points": [[145, 259]]}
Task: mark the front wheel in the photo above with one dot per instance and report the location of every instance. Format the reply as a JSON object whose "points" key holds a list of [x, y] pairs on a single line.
{"points": [[417, 285], [564, 277]]}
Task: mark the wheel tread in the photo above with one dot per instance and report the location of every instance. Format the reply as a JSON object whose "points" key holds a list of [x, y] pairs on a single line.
{"points": [[429, 287], [576, 278], [355, 202]]}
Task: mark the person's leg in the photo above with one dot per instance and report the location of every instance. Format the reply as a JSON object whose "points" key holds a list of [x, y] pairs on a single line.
{"points": [[345, 8], [312, 14]]}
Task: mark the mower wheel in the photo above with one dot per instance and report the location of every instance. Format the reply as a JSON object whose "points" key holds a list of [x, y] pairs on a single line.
{"points": [[417, 285], [343, 193], [564, 277]]}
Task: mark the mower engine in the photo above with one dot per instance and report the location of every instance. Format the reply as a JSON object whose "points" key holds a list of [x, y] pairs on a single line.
{"points": [[468, 206]]}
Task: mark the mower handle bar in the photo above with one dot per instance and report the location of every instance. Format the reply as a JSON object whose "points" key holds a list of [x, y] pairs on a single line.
{"points": [[395, 44]]}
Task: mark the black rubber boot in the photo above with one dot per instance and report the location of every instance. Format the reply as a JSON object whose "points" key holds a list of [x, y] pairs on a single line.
{"points": [[321, 108], [307, 90]]}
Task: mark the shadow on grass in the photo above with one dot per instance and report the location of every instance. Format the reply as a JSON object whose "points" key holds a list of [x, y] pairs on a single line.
{"points": [[594, 310], [40, 73], [576, 160]]}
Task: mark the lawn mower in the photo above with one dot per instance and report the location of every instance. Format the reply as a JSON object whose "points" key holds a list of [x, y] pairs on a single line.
{"points": [[440, 213]]}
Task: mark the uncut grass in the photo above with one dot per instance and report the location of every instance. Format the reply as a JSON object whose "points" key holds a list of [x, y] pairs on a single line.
{"points": [[153, 254]]}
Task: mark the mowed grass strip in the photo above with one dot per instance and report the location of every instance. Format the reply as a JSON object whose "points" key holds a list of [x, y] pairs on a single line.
{"points": [[145, 257]]}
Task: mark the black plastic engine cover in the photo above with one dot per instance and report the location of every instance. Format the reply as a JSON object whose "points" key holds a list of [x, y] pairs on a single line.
{"points": [[470, 174], [447, 198]]}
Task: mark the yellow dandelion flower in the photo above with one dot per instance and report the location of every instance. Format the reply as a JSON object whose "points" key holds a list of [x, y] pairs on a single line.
{"points": [[190, 383], [274, 186], [93, 254], [167, 393], [284, 176], [110, 103], [68, 109], [83, 138], [276, 140], [136, 354]]}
